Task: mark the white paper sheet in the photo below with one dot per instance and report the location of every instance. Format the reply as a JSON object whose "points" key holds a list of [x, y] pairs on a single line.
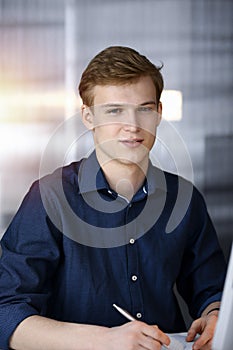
{"points": [[178, 342]]}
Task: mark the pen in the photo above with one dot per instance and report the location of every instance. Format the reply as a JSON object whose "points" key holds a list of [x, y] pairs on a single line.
{"points": [[131, 318], [124, 313]]}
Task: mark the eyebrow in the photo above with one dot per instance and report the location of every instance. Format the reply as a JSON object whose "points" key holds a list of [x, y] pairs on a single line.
{"points": [[148, 103], [112, 105], [107, 105]]}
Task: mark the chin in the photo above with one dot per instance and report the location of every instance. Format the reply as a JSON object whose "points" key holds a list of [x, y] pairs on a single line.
{"points": [[132, 159]]}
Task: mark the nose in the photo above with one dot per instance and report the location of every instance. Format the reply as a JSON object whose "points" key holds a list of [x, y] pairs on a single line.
{"points": [[131, 121]]}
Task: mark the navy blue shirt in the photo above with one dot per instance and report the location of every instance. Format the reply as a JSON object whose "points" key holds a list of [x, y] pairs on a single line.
{"points": [[75, 247]]}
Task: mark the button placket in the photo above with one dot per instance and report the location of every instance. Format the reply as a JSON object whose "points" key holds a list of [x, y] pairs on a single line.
{"points": [[132, 266]]}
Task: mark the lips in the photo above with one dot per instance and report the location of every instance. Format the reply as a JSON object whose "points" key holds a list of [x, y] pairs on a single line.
{"points": [[132, 142]]}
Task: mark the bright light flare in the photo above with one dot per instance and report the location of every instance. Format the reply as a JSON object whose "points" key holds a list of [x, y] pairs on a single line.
{"points": [[14, 103], [172, 105]]}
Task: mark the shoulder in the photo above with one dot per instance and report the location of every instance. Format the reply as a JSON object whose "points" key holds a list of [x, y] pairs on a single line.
{"points": [[181, 185], [50, 186], [67, 174], [180, 192]]}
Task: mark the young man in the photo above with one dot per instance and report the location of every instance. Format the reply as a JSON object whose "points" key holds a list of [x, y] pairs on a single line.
{"points": [[94, 233]]}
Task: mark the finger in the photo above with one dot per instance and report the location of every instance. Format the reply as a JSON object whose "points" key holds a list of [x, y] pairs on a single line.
{"points": [[194, 330], [191, 334], [204, 339], [149, 343], [207, 346], [156, 334]]}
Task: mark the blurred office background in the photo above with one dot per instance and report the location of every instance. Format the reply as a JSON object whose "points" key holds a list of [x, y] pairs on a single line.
{"points": [[45, 45]]}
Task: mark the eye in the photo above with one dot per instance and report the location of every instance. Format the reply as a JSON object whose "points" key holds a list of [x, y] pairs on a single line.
{"points": [[145, 109], [115, 111]]}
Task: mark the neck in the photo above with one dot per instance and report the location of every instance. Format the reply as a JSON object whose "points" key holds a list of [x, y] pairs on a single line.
{"points": [[125, 179]]}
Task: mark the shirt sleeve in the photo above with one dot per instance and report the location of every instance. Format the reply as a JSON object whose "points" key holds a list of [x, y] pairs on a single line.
{"points": [[203, 268], [30, 254]]}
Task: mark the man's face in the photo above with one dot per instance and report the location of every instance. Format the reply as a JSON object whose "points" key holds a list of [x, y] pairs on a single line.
{"points": [[124, 121]]}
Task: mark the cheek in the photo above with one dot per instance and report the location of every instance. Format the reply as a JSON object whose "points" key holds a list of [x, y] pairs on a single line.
{"points": [[150, 139], [150, 130], [107, 130], [105, 133], [149, 125]]}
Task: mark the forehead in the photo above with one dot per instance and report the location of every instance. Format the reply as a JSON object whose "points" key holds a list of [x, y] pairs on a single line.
{"points": [[136, 92]]}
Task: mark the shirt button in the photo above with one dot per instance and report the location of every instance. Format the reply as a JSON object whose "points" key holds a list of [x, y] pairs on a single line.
{"points": [[134, 278], [139, 315], [131, 241]]}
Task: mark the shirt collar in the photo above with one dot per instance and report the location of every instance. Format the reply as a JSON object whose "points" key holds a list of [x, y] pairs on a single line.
{"points": [[156, 179], [91, 177]]}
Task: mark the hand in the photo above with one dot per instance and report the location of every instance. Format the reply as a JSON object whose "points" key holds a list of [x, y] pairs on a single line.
{"points": [[133, 336], [204, 326]]}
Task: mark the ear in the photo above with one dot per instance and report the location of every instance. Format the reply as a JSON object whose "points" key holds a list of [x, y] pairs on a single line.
{"points": [[87, 117], [160, 108]]}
